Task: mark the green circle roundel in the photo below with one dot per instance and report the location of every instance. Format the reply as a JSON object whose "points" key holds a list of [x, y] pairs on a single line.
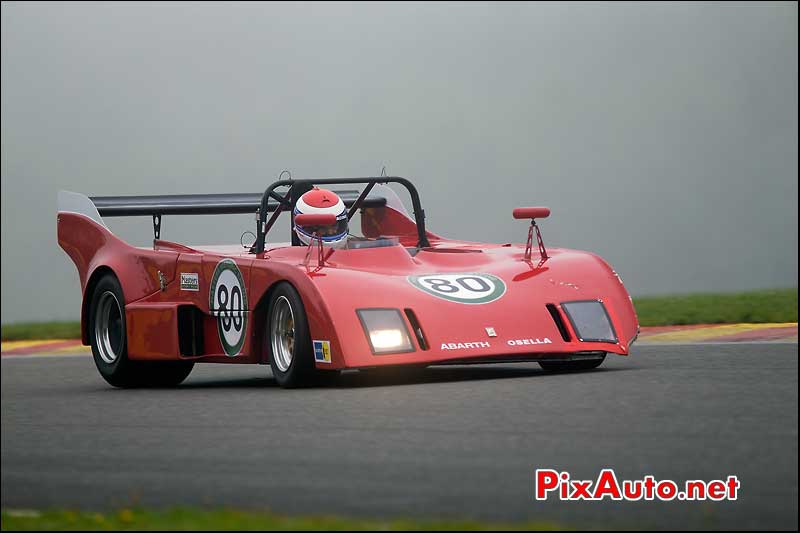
{"points": [[227, 300], [461, 287]]}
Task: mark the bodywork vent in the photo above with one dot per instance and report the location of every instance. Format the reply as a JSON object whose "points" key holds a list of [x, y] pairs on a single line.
{"points": [[190, 330], [415, 325], [562, 328]]}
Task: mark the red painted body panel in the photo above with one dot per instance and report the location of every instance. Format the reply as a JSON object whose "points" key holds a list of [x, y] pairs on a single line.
{"points": [[355, 279], [91, 246]]}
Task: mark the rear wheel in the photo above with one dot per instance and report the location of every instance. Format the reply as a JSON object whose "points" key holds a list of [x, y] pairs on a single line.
{"points": [[108, 337], [288, 340], [572, 366]]}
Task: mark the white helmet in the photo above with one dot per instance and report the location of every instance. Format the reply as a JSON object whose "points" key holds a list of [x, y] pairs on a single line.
{"points": [[322, 202]]}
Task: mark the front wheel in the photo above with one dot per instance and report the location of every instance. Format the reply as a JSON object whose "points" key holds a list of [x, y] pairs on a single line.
{"points": [[572, 366], [288, 340]]}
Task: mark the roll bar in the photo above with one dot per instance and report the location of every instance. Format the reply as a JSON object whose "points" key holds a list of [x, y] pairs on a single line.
{"points": [[298, 187], [269, 202]]}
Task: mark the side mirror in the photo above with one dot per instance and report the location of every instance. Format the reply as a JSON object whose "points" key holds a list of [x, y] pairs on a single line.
{"points": [[327, 219], [531, 212]]}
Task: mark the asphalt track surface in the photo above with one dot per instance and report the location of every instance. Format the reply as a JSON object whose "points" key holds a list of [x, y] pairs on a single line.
{"points": [[450, 442]]}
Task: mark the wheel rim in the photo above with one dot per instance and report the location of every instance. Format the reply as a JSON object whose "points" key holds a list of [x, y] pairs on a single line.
{"points": [[108, 327], [282, 329]]}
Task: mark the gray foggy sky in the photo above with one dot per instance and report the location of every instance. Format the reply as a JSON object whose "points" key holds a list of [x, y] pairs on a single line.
{"points": [[663, 137]]}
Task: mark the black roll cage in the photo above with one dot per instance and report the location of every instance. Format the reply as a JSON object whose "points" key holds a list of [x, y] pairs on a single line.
{"points": [[298, 187]]}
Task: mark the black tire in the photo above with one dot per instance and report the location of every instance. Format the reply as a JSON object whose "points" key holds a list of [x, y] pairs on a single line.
{"points": [[571, 366], [108, 336], [163, 374], [300, 370]]}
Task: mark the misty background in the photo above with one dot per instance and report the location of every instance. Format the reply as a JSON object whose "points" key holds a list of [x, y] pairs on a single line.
{"points": [[664, 137]]}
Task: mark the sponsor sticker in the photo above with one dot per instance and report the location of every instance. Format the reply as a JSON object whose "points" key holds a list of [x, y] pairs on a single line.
{"points": [[227, 300], [190, 281], [462, 287], [522, 342], [465, 345], [322, 351]]}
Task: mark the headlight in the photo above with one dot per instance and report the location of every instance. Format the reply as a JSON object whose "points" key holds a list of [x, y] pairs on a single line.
{"points": [[590, 321], [386, 331]]}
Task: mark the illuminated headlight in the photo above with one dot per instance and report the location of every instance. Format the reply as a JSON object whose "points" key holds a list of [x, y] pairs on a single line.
{"points": [[386, 331], [590, 321]]}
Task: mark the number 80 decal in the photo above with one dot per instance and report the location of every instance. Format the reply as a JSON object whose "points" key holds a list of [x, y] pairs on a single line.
{"points": [[465, 288], [227, 300]]}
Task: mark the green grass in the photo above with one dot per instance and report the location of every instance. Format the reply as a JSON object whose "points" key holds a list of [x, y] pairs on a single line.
{"points": [[777, 305], [24, 331], [228, 520]]}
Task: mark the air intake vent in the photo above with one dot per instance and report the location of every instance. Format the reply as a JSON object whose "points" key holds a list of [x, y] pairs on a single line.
{"points": [[562, 328], [412, 319], [190, 330]]}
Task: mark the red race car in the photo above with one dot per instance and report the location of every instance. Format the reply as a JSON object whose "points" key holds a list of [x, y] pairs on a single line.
{"points": [[395, 295]]}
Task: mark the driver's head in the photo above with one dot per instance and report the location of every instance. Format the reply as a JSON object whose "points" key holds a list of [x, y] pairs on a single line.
{"points": [[322, 201]]}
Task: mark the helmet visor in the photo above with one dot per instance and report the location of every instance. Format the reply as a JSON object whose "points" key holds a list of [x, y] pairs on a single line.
{"points": [[334, 230]]}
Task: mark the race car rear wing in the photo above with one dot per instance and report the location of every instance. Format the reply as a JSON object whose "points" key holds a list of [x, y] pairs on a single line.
{"points": [[270, 201], [201, 204], [96, 207]]}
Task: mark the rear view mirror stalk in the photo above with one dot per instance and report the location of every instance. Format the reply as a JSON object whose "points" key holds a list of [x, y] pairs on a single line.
{"points": [[533, 213]]}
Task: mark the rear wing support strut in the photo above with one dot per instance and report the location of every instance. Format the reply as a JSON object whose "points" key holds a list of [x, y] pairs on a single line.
{"points": [[156, 227]]}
